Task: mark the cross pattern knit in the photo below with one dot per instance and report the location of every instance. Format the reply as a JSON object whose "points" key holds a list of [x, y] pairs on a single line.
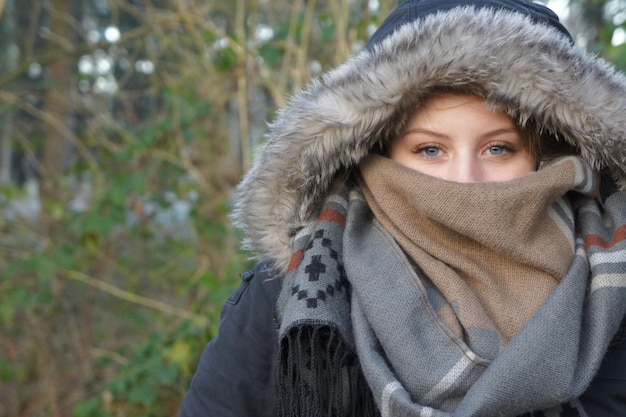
{"points": [[366, 329], [338, 287]]}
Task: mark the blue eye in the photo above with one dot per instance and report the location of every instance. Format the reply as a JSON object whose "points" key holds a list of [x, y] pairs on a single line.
{"points": [[429, 151], [501, 150], [496, 150]]}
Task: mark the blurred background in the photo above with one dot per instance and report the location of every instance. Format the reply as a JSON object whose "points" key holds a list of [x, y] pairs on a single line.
{"points": [[124, 125]]}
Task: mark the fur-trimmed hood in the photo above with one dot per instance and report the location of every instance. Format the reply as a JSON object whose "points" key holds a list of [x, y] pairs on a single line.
{"points": [[528, 69]]}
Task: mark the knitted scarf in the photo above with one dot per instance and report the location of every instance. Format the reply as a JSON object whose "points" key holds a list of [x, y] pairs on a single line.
{"points": [[362, 334], [494, 251]]}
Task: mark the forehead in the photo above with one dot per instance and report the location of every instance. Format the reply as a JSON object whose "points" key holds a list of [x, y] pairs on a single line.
{"points": [[458, 108]]}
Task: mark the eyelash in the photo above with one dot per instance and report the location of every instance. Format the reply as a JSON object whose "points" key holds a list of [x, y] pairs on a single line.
{"points": [[505, 146], [421, 148]]}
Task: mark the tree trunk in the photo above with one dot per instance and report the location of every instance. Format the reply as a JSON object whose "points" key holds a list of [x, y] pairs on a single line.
{"points": [[57, 149], [10, 56], [592, 13]]}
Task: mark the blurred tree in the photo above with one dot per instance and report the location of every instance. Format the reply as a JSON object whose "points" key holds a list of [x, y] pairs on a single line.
{"points": [[61, 35], [136, 119], [9, 51], [599, 25]]}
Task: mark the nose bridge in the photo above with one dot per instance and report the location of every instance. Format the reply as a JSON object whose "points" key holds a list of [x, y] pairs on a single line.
{"points": [[466, 167]]}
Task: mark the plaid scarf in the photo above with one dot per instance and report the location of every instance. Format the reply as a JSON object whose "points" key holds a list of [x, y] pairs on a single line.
{"points": [[360, 334]]}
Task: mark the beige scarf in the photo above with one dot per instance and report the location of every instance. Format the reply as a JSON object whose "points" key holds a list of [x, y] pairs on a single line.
{"points": [[494, 250]]}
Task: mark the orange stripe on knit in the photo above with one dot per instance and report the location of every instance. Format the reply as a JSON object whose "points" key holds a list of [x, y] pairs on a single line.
{"points": [[327, 215], [295, 260], [334, 216], [595, 240]]}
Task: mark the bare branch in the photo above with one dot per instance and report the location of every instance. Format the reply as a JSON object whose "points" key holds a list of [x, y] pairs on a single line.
{"points": [[136, 299]]}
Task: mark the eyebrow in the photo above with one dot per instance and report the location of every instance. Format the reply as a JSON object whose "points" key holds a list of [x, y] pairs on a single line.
{"points": [[491, 133]]}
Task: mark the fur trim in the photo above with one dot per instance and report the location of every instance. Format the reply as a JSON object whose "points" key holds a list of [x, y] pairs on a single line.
{"points": [[527, 69]]}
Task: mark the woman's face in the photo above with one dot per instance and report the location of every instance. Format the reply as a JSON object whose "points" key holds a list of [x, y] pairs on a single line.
{"points": [[456, 138]]}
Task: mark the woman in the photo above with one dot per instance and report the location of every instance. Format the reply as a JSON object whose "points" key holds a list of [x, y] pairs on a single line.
{"points": [[440, 225]]}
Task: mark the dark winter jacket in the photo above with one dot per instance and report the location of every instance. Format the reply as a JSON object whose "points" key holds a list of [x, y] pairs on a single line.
{"points": [[522, 60], [235, 377]]}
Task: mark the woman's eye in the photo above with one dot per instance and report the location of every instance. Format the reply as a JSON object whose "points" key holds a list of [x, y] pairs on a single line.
{"points": [[429, 151], [498, 150]]}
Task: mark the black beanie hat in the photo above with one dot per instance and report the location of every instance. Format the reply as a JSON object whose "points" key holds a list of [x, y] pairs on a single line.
{"points": [[412, 10]]}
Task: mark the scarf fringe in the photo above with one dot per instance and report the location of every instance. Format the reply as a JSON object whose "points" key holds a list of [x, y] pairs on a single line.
{"points": [[319, 375]]}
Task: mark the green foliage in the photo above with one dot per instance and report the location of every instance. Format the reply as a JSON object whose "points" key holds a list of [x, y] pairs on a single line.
{"points": [[151, 378], [226, 60], [122, 295]]}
